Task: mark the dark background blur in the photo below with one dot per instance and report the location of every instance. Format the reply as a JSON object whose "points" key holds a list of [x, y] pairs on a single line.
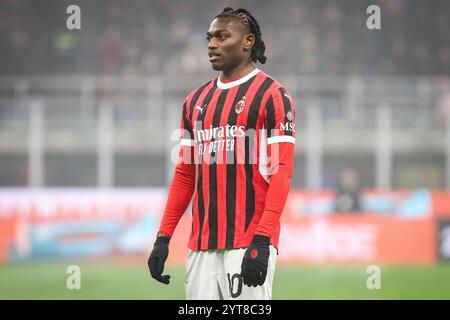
{"points": [[154, 37], [379, 99]]}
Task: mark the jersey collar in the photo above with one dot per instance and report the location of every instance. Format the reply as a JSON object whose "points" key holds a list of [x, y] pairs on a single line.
{"points": [[237, 82]]}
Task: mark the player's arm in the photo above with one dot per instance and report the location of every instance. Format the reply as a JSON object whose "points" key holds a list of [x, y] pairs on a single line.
{"points": [[181, 188], [277, 193], [179, 197], [280, 121], [280, 149]]}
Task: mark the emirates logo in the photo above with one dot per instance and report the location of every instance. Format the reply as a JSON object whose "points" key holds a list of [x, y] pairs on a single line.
{"points": [[240, 105]]}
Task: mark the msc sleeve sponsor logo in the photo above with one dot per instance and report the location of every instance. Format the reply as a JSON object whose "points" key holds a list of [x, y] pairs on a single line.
{"points": [[287, 126]]}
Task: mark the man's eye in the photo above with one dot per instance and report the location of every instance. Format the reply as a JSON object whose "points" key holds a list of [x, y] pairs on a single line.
{"points": [[219, 37]]}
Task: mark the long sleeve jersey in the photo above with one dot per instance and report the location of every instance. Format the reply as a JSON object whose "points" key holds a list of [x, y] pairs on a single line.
{"points": [[235, 162]]}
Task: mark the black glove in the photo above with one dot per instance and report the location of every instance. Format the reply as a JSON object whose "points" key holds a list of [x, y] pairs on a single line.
{"points": [[255, 262], [158, 258]]}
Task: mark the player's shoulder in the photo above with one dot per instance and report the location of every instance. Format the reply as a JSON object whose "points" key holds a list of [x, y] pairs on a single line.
{"points": [[277, 90], [276, 86], [198, 91]]}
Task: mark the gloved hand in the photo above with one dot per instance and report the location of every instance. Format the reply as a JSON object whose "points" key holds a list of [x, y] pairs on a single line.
{"points": [[255, 261], [157, 259]]}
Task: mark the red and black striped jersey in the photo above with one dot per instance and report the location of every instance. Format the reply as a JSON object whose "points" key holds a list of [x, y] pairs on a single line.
{"points": [[235, 162]]}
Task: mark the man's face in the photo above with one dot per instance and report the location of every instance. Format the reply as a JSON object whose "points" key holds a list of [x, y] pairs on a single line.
{"points": [[229, 43]]}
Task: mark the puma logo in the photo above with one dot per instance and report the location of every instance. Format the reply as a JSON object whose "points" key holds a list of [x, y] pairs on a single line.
{"points": [[200, 108]]}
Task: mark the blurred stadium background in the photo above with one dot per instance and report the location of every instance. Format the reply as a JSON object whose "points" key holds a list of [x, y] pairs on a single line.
{"points": [[86, 118]]}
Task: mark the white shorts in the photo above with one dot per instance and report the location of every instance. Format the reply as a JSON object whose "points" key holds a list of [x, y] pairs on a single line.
{"points": [[214, 275]]}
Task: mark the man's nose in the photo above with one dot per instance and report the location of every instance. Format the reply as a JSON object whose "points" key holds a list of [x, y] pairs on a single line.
{"points": [[212, 44]]}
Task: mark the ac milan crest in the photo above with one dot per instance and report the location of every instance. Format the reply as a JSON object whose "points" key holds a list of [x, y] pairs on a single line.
{"points": [[240, 105]]}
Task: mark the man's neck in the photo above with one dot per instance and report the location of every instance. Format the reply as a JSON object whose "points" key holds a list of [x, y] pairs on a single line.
{"points": [[237, 73]]}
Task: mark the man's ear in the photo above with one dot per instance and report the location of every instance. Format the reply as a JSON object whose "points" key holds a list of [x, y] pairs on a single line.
{"points": [[249, 41]]}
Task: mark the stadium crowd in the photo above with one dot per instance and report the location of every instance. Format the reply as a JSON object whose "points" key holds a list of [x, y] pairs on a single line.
{"points": [[167, 37]]}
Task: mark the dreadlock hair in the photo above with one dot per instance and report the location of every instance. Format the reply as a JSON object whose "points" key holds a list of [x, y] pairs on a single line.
{"points": [[248, 20]]}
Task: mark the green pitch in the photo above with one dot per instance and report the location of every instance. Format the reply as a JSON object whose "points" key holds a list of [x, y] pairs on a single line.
{"points": [[110, 281]]}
